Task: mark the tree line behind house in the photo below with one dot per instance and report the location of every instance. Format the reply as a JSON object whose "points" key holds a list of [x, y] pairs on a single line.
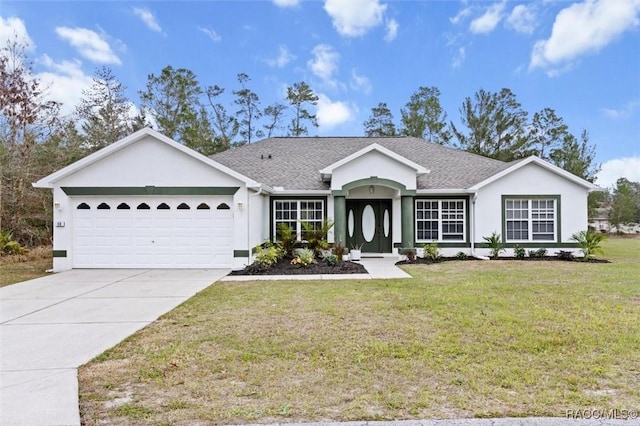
{"points": [[37, 139]]}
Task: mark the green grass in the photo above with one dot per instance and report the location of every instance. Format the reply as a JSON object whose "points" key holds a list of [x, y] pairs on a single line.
{"points": [[462, 339], [18, 268]]}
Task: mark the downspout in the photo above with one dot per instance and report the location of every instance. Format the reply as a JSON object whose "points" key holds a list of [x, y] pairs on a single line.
{"points": [[249, 222], [473, 228]]}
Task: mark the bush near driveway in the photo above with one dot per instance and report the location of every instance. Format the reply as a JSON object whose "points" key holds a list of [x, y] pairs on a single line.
{"points": [[462, 339]]}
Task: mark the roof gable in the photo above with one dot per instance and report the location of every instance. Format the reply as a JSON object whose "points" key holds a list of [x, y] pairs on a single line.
{"points": [[516, 165], [328, 171], [50, 180]]}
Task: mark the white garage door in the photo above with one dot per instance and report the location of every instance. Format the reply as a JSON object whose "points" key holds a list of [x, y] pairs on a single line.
{"points": [[153, 232]]}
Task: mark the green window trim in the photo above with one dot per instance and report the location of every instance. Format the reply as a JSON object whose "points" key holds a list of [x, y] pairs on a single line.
{"points": [[272, 203], [450, 243], [534, 243], [59, 253], [149, 190]]}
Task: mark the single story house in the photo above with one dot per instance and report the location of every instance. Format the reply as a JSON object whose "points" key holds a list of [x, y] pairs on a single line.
{"points": [[148, 201]]}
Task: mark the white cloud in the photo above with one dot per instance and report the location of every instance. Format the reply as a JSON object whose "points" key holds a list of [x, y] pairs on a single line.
{"points": [[14, 29], [626, 111], [392, 30], [489, 20], [360, 82], [459, 58], [286, 3], [148, 18], [331, 114], [89, 44], [522, 19], [612, 170], [324, 63], [355, 18], [584, 28], [283, 58], [461, 15], [212, 34], [65, 81]]}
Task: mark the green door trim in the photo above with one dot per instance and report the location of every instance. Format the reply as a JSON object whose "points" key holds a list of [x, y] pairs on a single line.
{"points": [[379, 243], [373, 180]]}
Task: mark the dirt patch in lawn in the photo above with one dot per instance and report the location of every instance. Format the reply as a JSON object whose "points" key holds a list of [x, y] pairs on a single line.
{"points": [[284, 267]]}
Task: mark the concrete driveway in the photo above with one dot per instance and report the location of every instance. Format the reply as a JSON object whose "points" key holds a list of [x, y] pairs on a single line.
{"points": [[51, 325]]}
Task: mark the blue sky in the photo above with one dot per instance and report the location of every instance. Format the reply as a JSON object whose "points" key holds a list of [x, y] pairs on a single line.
{"points": [[580, 58]]}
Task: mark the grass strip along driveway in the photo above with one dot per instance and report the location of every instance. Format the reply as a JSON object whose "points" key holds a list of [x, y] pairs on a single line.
{"points": [[461, 339]]}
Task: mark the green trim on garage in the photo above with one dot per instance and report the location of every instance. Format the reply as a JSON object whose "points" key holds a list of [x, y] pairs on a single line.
{"points": [[59, 253], [150, 190], [241, 253]]}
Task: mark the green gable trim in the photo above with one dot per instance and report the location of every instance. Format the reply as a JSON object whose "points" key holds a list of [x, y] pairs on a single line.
{"points": [[150, 190], [374, 181], [59, 253], [540, 244], [533, 197], [241, 253]]}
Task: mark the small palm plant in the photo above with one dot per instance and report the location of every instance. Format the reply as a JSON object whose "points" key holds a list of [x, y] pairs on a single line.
{"points": [[495, 244], [316, 236], [589, 242]]}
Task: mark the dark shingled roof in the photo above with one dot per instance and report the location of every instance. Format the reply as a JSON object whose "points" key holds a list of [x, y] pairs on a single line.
{"points": [[295, 163]]}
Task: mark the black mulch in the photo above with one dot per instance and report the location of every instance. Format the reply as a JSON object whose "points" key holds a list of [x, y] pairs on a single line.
{"points": [[421, 261], [284, 267]]}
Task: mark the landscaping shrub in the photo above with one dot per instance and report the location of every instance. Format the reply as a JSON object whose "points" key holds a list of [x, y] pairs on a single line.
{"points": [[339, 250], [495, 244], [332, 259], [519, 252], [431, 251], [410, 253], [565, 255], [305, 258], [8, 245], [268, 256], [538, 254], [317, 237], [462, 256], [286, 238], [589, 242]]}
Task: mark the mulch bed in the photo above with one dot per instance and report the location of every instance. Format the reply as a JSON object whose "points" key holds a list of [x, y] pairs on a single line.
{"points": [[284, 267], [421, 261]]}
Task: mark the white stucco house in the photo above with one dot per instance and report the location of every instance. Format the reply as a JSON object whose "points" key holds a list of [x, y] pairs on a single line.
{"points": [[148, 201]]}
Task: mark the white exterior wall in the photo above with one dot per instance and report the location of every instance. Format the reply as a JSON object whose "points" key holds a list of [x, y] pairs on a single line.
{"points": [[530, 180], [146, 162], [373, 164]]}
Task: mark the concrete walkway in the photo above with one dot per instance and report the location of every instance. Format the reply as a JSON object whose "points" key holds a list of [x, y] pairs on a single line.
{"points": [[51, 325], [377, 268]]}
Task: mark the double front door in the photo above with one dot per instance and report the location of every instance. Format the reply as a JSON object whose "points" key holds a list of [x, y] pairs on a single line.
{"points": [[369, 225]]}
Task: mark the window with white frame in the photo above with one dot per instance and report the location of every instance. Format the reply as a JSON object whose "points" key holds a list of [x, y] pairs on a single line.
{"points": [[293, 212], [440, 220], [530, 219]]}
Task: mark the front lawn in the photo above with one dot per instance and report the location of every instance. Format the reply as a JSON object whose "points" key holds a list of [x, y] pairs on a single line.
{"points": [[18, 268], [461, 339]]}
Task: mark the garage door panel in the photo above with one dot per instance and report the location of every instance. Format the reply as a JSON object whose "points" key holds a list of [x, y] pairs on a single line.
{"points": [[173, 238]]}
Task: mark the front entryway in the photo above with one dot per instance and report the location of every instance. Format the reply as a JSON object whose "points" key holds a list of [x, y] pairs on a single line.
{"points": [[369, 225]]}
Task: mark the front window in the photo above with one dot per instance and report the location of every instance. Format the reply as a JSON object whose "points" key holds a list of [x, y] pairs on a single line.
{"points": [[530, 219], [440, 220], [293, 212]]}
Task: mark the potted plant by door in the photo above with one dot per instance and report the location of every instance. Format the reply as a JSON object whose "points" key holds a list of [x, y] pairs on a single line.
{"points": [[356, 252]]}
